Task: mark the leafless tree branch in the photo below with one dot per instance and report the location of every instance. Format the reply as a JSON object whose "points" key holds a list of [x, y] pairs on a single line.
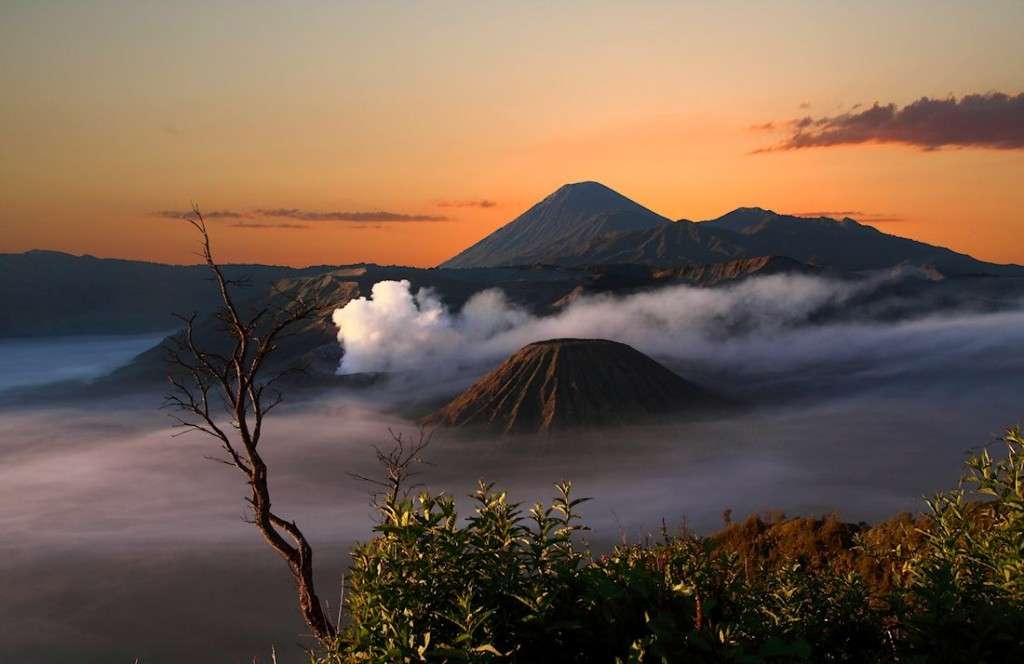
{"points": [[398, 463], [208, 386]]}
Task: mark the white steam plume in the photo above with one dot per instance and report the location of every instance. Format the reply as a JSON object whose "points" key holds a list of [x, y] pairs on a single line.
{"points": [[396, 330]]}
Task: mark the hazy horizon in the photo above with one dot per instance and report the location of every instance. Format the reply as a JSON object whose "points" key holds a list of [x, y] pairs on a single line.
{"points": [[859, 216]]}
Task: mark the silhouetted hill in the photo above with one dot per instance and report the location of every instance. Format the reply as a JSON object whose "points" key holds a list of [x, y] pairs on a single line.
{"points": [[712, 274], [843, 244], [53, 293], [539, 290], [571, 383]]}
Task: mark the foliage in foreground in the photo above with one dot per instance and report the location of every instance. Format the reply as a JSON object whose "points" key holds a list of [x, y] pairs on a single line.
{"points": [[514, 585]]}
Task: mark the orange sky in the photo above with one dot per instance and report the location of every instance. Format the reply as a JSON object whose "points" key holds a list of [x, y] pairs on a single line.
{"points": [[114, 111]]}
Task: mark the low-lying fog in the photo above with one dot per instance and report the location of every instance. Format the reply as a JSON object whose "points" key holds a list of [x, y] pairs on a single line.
{"points": [[25, 362], [122, 542]]}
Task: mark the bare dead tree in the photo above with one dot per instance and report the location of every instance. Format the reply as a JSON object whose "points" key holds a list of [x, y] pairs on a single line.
{"points": [[209, 386], [397, 463]]}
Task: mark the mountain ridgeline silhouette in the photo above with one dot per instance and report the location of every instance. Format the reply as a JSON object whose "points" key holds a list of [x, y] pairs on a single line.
{"points": [[587, 224]]}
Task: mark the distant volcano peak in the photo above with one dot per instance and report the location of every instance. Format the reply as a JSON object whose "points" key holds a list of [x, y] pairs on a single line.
{"points": [[589, 188], [586, 184], [572, 215], [589, 197]]}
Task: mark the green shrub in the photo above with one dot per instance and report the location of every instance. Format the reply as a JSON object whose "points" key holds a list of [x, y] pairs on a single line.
{"points": [[962, 594], [428, 588], [514, 585]]}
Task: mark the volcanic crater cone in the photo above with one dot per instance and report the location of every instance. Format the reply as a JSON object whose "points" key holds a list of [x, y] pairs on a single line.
{"points": [[564, 383]]}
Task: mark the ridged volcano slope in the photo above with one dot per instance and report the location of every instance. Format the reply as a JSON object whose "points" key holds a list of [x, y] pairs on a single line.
{"points": [[564, 383]]}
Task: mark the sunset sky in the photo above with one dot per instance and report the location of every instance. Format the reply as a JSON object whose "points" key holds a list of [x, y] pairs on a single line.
{"points": [[333, 132]]}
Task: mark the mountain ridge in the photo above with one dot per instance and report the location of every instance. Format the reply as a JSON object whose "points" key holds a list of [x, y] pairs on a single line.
{"points": [[844, 244], [588, 238]]}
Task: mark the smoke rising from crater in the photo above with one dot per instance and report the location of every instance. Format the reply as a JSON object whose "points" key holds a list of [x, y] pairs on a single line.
{"points": [[397, 330], [754, 335]]}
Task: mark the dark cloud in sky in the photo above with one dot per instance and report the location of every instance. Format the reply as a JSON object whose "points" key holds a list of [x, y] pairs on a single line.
{"points": [[249, 224], [765, 126], [188, 214], [859, 215], [479, 203], [993, 120], [371, 216], [371, 219]]}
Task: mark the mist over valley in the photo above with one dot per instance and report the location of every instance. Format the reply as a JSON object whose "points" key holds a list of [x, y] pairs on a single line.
{"points": [[856, 392], [747, 383]]}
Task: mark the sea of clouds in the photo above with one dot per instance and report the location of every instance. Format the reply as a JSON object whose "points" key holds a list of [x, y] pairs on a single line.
{"points": [[758, 327]]}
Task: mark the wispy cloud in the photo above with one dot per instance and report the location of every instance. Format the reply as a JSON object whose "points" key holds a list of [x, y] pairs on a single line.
{"points": [[765, 126], [249, 224], [253, 219], [468, 203], [859, 215], [188, 214], [370, 216], [994, 120]]}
